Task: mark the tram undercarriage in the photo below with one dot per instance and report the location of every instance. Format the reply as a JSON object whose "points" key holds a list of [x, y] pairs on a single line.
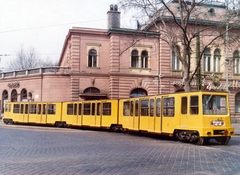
{"points": [[193, 137]]}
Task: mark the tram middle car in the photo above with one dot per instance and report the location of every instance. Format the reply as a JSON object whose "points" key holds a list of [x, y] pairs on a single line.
{"points": [[194, 117]]}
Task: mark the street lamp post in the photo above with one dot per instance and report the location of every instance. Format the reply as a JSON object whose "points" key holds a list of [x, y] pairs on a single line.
{"points": [[226, 57]]}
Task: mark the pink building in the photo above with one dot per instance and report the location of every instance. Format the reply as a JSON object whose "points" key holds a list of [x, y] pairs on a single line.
{"points": [[112, 64]]}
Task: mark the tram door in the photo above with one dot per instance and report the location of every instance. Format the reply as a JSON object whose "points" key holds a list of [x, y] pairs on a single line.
{"points": [[151, 118], [154, 124], [157, 116], [93, 114], [39, 113], [184, 112], [44, 113], [169, 114], [134, 115], [24, 112], [98, 114], [79, 113]]}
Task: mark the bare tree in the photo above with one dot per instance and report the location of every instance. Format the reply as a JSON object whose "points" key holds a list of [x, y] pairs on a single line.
{"points": [[178, 23], [27, 59]]}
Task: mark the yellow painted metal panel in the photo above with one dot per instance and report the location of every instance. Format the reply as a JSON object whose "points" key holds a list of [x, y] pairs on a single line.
{"points": [[157, 125]]}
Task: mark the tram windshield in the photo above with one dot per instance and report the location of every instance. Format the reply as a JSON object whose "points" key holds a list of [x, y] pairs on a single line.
{"points": [[214, 104]]}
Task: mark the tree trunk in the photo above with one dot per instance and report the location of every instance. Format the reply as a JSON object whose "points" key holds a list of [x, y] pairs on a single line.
{"points": [[186, 79]]}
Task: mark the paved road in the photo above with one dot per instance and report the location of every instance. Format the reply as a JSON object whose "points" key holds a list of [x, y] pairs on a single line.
{"points": [[57, 151]]}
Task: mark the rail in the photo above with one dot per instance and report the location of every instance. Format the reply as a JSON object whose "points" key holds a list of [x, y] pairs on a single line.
{"points": [[35, 71]]}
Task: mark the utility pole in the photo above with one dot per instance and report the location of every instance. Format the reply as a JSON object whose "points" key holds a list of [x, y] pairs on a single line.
{"points": [[1, 59]]}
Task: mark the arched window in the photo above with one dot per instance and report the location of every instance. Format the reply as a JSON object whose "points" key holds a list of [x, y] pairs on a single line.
{"points": [[216, 60], [236, 61], [138, 93], [207, 60], [144, 59], [4, 98], [134, 59], [14, 95], [175, 61], [237, 102], [91, 90], [92, 58], [5, 95], [23, 95]]}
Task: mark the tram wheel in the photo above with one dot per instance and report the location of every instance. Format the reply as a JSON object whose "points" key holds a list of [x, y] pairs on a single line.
{"points": [[200, 141], [225, 140], [5, 121], [10, 122]]}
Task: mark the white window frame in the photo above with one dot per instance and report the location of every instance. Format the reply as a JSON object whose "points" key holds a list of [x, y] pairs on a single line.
{"points": [[176, 64], [139, 64], [237, 103], [236, 62], [144, 59], [216, 61], [96, 47]]}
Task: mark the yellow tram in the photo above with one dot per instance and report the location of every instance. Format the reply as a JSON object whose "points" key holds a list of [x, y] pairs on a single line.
{"points": [[195, 117]]}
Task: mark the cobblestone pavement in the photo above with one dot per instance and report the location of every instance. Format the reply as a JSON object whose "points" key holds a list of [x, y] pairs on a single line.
{"points": [[35, 150]]}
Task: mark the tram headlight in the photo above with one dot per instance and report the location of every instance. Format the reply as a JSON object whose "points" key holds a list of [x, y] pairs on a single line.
{"points": [[217, 122]]}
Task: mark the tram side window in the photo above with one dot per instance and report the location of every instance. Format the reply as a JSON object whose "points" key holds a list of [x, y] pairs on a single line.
{"points": [[131, 108], [7, 107], [33, 108], [69, 109], [93, 108], [152, 107], [86, 109], [168, 107], [184, 105], [80, 109], [51, 109], [39, 109], [21, 108], [144, 107], [75, 109], [126, 108], [107, 108], [44, 109], [194, 105], [136, 108], [158, 107], [16, 108], [99, 109], [26, 108]]}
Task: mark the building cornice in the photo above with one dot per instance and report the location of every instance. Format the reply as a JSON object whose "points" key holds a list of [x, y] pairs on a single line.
{"points": [[131, 31]]}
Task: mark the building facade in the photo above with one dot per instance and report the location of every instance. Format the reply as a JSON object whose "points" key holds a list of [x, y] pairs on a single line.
{"points": [[118, 63]]}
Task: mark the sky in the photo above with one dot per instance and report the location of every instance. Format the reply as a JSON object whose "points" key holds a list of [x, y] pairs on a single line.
{"points": [[44, 24]]}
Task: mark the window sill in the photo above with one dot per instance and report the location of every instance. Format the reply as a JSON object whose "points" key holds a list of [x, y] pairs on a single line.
{"points": [[93, 67], [143, 70]]}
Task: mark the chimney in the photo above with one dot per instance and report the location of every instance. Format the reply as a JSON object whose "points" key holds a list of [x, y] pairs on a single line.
{"points": [[113, 17]]}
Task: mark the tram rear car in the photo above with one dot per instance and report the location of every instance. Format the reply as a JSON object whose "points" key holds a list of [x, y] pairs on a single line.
{"points": [[32, 113]]}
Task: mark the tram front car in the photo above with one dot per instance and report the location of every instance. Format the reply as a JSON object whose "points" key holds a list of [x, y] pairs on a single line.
{"points": [[216, 119]]}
